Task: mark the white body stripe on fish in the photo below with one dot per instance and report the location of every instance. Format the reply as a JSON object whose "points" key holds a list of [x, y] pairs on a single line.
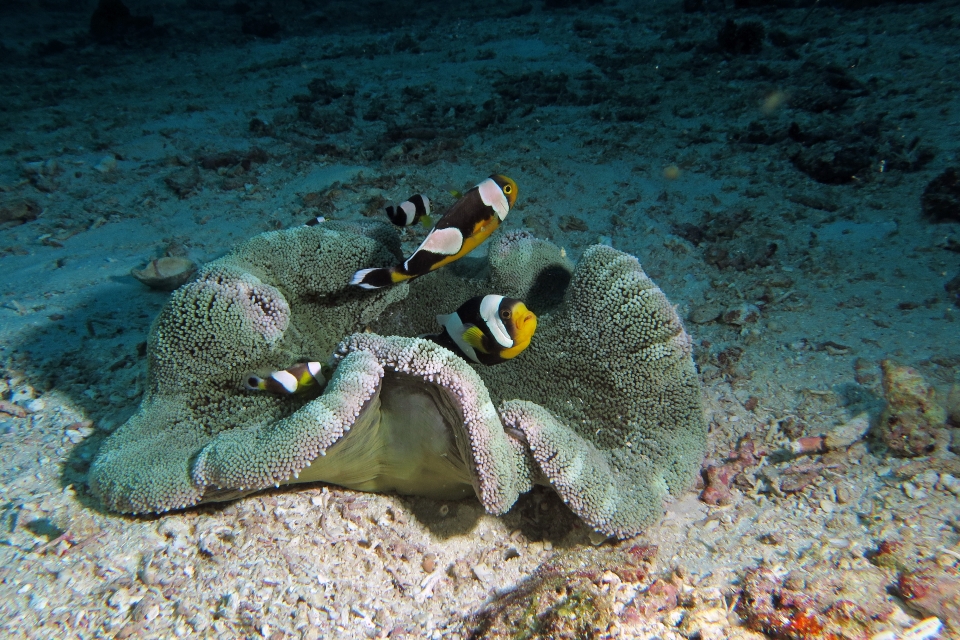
{"points": [[490, 312], [446, 242], [455, 328], [492, 195], [286, 379], [410, 210]]}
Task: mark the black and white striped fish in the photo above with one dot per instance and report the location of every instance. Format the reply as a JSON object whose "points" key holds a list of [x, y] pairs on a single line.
{"points": [[459, 231], [296, 379], [411, 211]]}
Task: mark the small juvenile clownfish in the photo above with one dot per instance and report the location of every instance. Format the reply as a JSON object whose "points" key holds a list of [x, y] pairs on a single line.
{"points": [[312, 222], [412, 211], [487, 329], [296, 379], [459, 231]]}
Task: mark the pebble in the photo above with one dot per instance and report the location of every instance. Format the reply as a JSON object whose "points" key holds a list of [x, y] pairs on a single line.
{"points": [[913, 492], [704, 313], [482, 572], [950, 483], [429, 563], [107, 164], [35, 405]]}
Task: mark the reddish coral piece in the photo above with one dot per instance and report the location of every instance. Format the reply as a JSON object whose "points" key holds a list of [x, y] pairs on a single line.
{"points": [[718, 478], [804, 624], [774, 609], [934, 591], [639, 562]]}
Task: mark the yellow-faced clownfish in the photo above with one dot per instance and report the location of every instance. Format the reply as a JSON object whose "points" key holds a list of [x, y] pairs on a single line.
{"points": [[487, 329], [296, 379], [462, 228], [412, 211]]}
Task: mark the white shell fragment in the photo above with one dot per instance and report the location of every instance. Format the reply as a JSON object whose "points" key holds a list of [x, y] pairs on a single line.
{"points": [[848, 432], [165, 274]]}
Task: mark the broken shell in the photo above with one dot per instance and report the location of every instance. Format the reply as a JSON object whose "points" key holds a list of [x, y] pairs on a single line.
{"points": [[166, 274], [848, 433]]}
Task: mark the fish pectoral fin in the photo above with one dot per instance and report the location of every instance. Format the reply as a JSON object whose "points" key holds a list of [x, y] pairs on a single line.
{"points": [[474, 337], [427, 222]]}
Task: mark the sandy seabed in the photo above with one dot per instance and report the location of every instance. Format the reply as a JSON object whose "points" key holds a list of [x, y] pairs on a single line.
{"points": [[771, 190]]}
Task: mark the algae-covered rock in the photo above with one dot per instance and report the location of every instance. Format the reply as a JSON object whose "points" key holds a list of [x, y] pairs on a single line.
{"points": [[912, 416]]}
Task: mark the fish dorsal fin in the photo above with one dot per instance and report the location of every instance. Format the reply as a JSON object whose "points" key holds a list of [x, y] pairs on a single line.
{"points": [[473, 336]]}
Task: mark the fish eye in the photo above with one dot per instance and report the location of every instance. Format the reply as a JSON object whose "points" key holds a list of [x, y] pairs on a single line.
{"points": [[505, 314], [508, 189]]}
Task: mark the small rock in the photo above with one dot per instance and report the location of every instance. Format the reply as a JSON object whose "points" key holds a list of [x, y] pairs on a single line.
{"points": [[704, 313], [18, 211], [909, 423], [941, 197], [950, 483], [12, 410], [429, 563], [741, 314], [107, 164], [483, 573], [953, 404]]}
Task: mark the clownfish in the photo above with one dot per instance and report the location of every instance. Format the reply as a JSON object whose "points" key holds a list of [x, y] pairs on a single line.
{"points": [[459, 231], [487, 329], [312, 222], [412, 211], [296, 379]]}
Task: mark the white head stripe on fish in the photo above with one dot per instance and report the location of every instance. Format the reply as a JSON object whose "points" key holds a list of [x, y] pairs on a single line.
{"points": [[490, 312], [410, 210], [287, 379], [313, 368], [455, 328], [492, 195]]}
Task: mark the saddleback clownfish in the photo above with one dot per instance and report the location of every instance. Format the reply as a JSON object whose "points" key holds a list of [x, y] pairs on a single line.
{"points": [[487, 329], [411, 211], [459, 231], [299, 378]]}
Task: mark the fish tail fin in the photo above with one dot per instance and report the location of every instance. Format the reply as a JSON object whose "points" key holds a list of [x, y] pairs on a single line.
{"points": [[255, 383], [373, 278]]}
